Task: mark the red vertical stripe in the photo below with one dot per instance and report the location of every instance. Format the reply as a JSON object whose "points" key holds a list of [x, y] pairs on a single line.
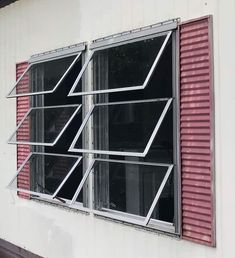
{"points": [[23, 180], [196, 125]]}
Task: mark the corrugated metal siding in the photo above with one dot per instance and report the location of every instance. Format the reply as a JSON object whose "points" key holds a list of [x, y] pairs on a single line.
{"points": [[23, 180], [196, 125]]}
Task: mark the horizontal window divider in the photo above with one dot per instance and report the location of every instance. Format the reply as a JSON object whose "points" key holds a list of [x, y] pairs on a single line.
{"points": [[119, 215], [135, 162], [132, 101]]}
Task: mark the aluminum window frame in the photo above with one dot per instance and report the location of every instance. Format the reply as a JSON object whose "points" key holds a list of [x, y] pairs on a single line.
{"points": [[127, 88], [75, 50], [124, 216], [43, 195], [72, 147], [58, 136]]}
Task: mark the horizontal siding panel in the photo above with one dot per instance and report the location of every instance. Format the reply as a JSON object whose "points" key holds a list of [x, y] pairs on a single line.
{"points": [[196, 196], [197, 177], [197, 223]]}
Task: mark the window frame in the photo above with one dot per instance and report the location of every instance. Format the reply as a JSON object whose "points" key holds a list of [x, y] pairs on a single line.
{"points": [[52, 195], [127, 88], [72, 147], [10, 141], [121, 39], [75, 50], [124, 216]]}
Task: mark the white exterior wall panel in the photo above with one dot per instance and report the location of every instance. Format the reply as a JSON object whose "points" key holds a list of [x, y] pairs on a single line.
{"points": [[28, 27]]}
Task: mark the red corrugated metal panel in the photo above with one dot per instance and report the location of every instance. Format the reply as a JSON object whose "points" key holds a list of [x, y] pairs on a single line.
{"points": [[196, 125], [23, 151]]}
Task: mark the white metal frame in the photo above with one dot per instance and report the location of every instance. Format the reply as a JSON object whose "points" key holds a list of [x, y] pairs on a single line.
{"points": [[123, 216], [48, 196], [10, 141], [122, 153], [11, 95], [127, 88]]}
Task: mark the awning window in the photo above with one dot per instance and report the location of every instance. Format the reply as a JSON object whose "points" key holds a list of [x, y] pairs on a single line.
{"points": [[44, 125]]}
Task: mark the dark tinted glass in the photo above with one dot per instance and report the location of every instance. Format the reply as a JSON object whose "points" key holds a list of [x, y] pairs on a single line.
{"points": [[45, 172], [125, 127], [130, 188], [69, 188], [43, 76], [43, 125], [126, 65]]}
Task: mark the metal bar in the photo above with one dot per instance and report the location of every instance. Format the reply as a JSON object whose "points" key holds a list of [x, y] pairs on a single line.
{"points": [[157, 127], [19, 169], [152, 223], [18, 126], [157, 59], [118, 217], [140, 87], [133, 102], [71, 148], [22, 75], [66, 177], [67, 71], [56, 154], [67, 124], [158, 195], [142, 32], [133, 162], [117, 153], [133, 40], [82, 182], [71, 92], [57, 53]]}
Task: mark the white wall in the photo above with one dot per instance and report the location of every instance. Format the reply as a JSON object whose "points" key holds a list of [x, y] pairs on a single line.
{"points": [[32, 26]]}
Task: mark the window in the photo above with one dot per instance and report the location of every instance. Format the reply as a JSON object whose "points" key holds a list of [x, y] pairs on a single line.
{"points": [[131, 127], [49, 126]]}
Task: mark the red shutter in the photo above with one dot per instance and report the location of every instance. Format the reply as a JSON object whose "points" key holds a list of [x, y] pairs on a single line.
{"points": [[196, 130], [23, 180]]}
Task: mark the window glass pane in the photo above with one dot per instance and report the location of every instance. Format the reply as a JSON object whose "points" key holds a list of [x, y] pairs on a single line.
{"points": [[43, 173], [124, 127], [164, 210], [44, 125], [70, 186], [126, 187], [43, 77], [123, 66]]}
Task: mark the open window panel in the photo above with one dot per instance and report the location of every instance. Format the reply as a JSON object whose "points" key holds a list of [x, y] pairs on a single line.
{"points": [[123, 67], [44, 125], [46, 75], [134, 192], [47, 175], [123, 128]]}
